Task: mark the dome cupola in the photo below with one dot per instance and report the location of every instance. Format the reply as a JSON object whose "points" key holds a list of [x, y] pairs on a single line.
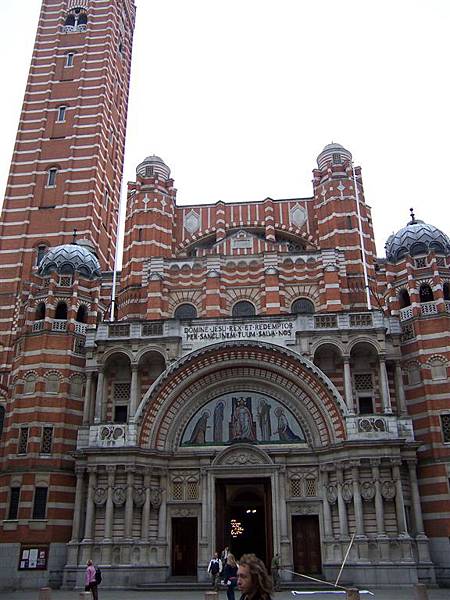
{"points": [[416, 238], [333, 154], [153, 165], [70, 258]]}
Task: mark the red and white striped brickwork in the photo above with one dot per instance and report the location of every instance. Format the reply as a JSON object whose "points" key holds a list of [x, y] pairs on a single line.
{"points": [[73, 120]]}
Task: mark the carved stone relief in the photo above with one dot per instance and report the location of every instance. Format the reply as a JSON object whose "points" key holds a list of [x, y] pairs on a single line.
{"points": [[100, 494], [119, 496]]}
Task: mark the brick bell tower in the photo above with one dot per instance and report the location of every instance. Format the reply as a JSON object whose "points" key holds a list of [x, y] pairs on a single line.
{"points": [[65, 175], [67, 163]]}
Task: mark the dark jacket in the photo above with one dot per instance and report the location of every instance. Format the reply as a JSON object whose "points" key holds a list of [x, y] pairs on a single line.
{"points": [[229, 572], [257, 597]]}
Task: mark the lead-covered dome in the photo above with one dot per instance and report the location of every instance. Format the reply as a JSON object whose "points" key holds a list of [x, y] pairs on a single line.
{"points": [[416, 238], [70, 258], [153, 165], [333, 154]]}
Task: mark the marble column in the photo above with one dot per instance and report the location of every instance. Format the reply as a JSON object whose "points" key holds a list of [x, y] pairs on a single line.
{"points": [[282, 504], [399, 502], [204, 516], [415, 498], [134, 389], [342, 509], [162, 517], [90, 507], [400, 390], [129, 506], [384, 387], [87, 408], [327, 520], [145, 522], [109, 509], [99, 395], [357, 501], [78, 505], [379, 506], [348, 387]]}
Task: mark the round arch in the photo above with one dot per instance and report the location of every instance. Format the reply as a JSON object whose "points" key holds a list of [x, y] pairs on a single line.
{"points": [[188, 383]]}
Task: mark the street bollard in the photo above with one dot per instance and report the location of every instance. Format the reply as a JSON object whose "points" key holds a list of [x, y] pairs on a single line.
{"points": [[420, 591], [352, 594], [211, 595], [45, 594]]}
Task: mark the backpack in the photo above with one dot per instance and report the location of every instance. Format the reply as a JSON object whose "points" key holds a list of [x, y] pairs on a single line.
{"points": [[98, 576], [215, 567]]}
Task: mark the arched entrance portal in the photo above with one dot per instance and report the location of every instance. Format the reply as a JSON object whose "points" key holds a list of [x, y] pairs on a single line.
{"points": [[244, 516]]}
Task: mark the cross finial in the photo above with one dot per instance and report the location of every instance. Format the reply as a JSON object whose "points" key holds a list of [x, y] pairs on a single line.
{"points": [[74, 236], [413, 217]]}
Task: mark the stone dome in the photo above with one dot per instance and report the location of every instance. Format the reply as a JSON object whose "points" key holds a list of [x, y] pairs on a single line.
{"points": [[333, 154], [153, 165], [416, 238], [68, 258]]}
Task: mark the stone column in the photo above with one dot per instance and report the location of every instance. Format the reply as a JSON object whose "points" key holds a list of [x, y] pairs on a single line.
{"points": [[403, 411], [399, 502], [415, 498], [87, 408], [129, 506], [348, 387], [134, 389], [379, 507], [109, 509], [357, 501], [79, 471], [145, 522], [162, 517], [384, 387], [204, 491], [342, 509], [282, 504], [327, 521], [99, 395], [90, 507]]}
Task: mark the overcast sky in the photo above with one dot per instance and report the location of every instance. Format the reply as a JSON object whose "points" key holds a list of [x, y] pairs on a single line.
{"points": [[239, 96]]}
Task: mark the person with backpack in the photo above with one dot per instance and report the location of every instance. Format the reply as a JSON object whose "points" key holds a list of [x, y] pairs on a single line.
{"points": [[92, 579], [214, 569]]}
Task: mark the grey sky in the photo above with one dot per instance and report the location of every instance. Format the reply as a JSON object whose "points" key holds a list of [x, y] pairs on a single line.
{"points": [[239, 97]]}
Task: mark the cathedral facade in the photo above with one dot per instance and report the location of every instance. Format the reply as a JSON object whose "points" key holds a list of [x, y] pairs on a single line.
{"points": [[254, 377]]}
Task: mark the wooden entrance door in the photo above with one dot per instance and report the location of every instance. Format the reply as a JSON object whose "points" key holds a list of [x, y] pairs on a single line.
{"points": [[184, 546], [306, 542]]}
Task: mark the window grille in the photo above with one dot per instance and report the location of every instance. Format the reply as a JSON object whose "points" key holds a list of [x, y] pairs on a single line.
{"points": [[440, 261], [296, 487], [65, 281], [40, 503], [302, 306], [149, 171], [421, 262], [360, 320], [325, 321], [445, 422], [243, 309], [152, 329], [79, 345], [363, 382], [122, 392], [185, 311], [337, 158], [14, 498], [47, 440], [407, 332], [177, 490], [310, 488], [192, 490], [23, 441], [119, 330]]}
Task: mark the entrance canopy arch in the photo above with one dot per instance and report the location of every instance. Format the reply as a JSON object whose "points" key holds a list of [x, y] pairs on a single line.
{"points": [[240, 367]]}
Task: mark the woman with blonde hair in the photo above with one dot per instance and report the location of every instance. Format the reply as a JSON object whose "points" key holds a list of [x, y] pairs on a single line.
{"points": [[229, 575]]}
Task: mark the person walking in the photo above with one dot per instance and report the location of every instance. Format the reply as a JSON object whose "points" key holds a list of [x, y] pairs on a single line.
{"points": [[90, 580], [253, 580], [229, 575], [275, 572], [214, 569]]}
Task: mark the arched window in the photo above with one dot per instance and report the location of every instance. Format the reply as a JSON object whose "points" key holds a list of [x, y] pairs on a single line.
{"points": [[52, 383], [70, 20], [185, 311], [51, 177], [243, 309], [446, 289], [404, 298], [426, 293], [82, 19], [40, 251], [302, 306], [61, 311], [40, 311], [61, 115], [82, 314], [76, 386], [29, 386]]}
